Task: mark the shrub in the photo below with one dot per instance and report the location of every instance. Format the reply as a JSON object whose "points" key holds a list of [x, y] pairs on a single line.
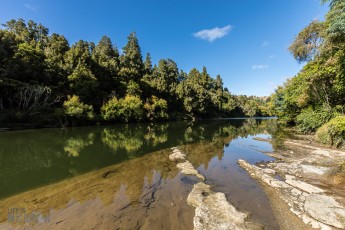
{"points": [[156, 109], [73, 107], [309, 120], [128, 109], [333, 133], [132, 109], [110, 110]]}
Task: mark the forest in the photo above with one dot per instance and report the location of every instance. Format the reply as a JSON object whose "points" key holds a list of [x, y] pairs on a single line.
{"points": [[46, 82], [314, 99]]}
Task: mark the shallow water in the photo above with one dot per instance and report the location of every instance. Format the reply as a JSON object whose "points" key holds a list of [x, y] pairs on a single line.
{"points": [[120, 176]]}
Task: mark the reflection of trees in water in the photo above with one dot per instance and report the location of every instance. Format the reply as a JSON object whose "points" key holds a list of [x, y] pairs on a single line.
{"points": [[75, 144], [126, 139], [27, 154], [157, 134]]}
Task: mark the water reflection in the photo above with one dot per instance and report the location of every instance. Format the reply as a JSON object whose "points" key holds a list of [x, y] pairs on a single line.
{"points": [[34, 158], [130, 188], [75, 145]]}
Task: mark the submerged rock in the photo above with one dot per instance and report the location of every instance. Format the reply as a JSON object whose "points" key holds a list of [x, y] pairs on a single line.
{"points": [[188, 169], [177, 155], [213, 211]]}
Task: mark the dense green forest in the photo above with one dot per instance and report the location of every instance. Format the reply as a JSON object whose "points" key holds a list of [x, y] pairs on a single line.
{"points": [[314, 99], [45, 81]]}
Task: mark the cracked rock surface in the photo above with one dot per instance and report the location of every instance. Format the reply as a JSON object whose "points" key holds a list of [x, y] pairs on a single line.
{"points": [[212, 210], [308, 202]]}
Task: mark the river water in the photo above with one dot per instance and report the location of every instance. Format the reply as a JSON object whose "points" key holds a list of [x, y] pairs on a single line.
{"points": [[120, 177]]}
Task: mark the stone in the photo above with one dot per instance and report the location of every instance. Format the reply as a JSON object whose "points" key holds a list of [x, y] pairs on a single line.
{"points": [[213, 211], [278, 184], [314, 169], [198, 193], [188, 169], [321, 152], [289, 177], [176, 156], [296, 192], [326, 210], [269, 171], [304, 186]]}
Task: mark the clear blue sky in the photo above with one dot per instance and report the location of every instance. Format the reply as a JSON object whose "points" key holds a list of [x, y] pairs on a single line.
{"points": [[249, 48]]}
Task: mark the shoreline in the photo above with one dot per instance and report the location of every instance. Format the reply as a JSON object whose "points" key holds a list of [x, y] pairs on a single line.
{"points": [[36, 127], [304, 185]]}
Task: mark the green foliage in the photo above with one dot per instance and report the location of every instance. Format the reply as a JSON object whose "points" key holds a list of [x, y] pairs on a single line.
{"points": [[76, 109], [129, 109], [333, 132], [45, 68], [111, 110], [133, 89], [132, 66], [106, 55], [309, 120], [317, 92], [156, 109], [83, 83], [307, 42]]}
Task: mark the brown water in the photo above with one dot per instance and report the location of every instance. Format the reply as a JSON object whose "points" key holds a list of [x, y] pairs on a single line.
{"points": [[142, 190]]}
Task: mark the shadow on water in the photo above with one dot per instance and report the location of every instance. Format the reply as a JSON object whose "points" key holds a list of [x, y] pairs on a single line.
{"points": [[112, 163]]}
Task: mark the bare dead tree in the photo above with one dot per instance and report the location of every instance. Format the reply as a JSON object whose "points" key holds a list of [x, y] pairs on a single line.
{"points": [[32, 98]]}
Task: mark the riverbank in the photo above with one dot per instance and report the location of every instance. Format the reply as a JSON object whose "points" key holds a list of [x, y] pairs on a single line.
{"points": [[307, 180]]}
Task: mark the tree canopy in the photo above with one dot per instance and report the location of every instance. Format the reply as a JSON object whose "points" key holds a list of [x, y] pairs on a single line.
{"points": [[317, 93], [44, 78]]}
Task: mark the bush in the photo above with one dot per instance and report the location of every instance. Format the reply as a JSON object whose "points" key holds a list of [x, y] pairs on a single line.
{"points": [[128, 109], [309, 120], [156, 109], [333, 133], [111, 110], [73, 107]]}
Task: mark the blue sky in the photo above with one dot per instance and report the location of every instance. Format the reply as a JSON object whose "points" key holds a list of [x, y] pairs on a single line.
{"points": [[244, 41]]}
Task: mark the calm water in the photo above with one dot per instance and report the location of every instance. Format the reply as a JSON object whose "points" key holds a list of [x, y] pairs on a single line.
{"points": [[124, 169]]}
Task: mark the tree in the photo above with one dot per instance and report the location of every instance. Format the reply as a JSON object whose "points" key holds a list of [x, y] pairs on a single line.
{"points": [[76, 109], [83, 83], [148, 64], [129, 109], [55, 50], [131, 63], [106, 66], [156, 109], [193, 94], [106, 55], [306, 44]]}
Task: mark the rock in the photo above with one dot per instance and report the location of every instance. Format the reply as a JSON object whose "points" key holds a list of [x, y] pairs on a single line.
{"points": [[278, 184], [289, 177], [296, 192], [304, 186], [314, 169], [188, 169], [176, 156], [321, 152], [269, 171], [213, 211], [198, 193], [326, 210]]}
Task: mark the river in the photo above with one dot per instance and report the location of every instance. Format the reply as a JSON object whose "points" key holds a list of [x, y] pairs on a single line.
{"points": [[120, 177]]}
